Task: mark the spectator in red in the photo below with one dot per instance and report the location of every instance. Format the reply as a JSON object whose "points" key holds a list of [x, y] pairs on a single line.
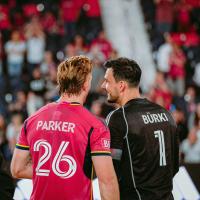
{"points": [[18, 19], [193, 3], [30, 10], [70, 10], [1, 56], [49, 22], [5, 24], [3, 83], [92, 8], [176, 76], [192, 39], [183, 16], [103, 44], [93, 14], [164, 15]]}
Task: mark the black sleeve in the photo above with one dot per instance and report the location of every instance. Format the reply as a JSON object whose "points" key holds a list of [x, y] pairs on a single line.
{"points": [[117, 128]]}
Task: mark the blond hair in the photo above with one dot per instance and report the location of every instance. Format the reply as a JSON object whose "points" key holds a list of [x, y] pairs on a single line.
{"points": [[72, 74]]}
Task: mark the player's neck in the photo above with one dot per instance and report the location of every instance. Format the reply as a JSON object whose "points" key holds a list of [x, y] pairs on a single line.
{"points": [[129, 95], [78, 99]]}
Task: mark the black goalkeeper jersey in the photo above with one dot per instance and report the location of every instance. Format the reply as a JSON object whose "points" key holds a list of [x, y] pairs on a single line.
{"points": [[145, 150]]}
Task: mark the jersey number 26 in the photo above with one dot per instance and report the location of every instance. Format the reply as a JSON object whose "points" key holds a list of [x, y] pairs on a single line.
{"points": [[59, 157]]}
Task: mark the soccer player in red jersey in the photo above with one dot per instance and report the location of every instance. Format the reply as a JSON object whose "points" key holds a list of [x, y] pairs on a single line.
{"points": [[62, 144]]}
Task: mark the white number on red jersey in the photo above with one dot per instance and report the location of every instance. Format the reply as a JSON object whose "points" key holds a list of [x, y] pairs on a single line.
{"points": [[59, 157]]}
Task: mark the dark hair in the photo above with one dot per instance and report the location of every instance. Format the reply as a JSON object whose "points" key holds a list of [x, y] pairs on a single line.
{"points": [[125, 69]]}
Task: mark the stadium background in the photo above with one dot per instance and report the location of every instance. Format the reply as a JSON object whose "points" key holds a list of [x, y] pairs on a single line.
{"points": [[162, 35]]}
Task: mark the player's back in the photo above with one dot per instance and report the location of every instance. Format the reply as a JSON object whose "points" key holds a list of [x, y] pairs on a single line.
{"points": [[150, 153], [58, 136]]}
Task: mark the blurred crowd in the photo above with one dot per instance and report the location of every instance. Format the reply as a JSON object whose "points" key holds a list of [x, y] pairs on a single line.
{"points": [[34, 37], [174, 30]]}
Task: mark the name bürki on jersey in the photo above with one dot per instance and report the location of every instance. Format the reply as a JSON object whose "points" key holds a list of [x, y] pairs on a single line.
{"points": [[60, 126], [154, 118]]}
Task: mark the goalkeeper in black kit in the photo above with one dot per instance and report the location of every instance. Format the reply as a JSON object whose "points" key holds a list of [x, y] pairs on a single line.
{"points": [[144, 139]]}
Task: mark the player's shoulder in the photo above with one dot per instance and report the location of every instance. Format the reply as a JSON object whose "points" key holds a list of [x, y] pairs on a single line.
{"points": [[155, 105], [165, 111], [92, 119], [115, 116], [44, 108]]}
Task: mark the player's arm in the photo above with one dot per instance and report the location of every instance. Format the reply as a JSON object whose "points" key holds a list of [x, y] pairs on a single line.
{"points": [[21, 164], [117, 132], [102, 161], [108, 184], [116, 156]]}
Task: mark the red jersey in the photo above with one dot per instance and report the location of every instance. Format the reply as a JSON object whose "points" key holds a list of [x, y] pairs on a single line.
{"points": [[62, 138], [93, 8], [70, 10], [4, 17]]}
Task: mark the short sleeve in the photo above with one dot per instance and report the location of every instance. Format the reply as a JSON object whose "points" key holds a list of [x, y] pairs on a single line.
{"points": [[100, 141], [117, 128], [22, 141]]}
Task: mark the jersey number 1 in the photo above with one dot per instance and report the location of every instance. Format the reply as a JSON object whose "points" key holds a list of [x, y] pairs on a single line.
{"points": [[159, 134]]}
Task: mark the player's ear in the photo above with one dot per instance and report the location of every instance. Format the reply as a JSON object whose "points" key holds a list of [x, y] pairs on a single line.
{"points": [[122, 86], [87, 83]]}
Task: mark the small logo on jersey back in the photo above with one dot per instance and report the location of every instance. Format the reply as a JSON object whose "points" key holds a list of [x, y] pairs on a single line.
{"points": [[105, 143]]}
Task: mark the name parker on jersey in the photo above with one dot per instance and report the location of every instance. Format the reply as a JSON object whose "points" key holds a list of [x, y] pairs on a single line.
{"points": [[154, 118], [56, 126]]}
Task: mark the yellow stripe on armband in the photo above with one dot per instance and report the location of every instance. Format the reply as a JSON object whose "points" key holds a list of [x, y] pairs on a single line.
{"points": [[101, 153], [23, 147]]}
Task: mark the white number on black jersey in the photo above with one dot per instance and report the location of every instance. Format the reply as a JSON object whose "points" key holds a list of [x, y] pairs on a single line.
{"points": [[159, 134]]}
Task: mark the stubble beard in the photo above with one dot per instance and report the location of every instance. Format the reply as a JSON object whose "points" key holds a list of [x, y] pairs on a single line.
{"points": [[112, 99]]}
